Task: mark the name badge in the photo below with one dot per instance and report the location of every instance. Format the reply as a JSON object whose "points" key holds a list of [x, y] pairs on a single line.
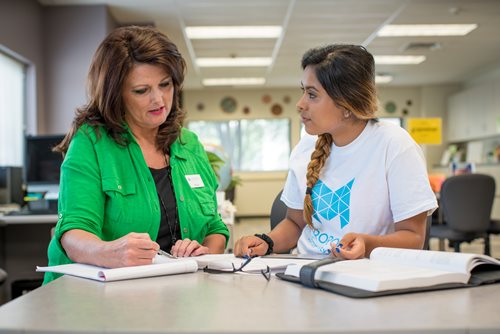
{"points": [[195, 181]]}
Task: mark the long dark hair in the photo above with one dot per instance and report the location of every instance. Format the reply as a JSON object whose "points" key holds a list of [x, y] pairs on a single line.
{"points": [[347, 73], [116, 55]]}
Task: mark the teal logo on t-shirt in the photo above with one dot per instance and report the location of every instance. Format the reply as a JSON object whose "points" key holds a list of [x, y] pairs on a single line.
{"points": [[329, 204]]}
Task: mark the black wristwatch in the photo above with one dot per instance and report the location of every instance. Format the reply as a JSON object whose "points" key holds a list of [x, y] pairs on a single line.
{"points": [[269, 242]]}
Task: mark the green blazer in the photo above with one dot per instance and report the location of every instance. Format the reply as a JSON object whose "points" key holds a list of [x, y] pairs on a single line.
{"points": [[108, 190]]}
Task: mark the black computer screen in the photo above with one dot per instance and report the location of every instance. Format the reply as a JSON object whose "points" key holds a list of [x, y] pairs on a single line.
{"points": [[42, 166]]}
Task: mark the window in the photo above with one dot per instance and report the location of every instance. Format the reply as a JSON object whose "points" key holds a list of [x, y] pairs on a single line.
{"points": [[12, 89], [394, 120], [252, 145]]}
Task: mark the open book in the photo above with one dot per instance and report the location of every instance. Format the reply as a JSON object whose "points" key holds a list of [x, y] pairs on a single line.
{"points": [[396, 270]]}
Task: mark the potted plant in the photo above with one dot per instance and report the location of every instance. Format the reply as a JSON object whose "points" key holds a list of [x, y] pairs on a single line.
{"points": [[217, 164]]}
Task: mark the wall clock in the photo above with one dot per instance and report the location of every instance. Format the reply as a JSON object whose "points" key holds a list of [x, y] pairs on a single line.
{"points": [[228, 104]]}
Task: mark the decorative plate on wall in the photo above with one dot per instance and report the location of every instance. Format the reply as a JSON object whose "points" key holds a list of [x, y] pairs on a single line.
{"points": [[276, 109], [228, 104], [266, 99], [390, 107]]}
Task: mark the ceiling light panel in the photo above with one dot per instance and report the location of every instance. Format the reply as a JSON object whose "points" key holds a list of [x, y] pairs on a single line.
{"points": [[383, 78], [394, 30], [233, 81], [399, 60], [234, 62], [233, 32]]}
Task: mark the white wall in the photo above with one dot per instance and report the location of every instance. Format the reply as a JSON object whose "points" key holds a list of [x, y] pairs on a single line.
{"points": [[73, 33], [435, 104]]}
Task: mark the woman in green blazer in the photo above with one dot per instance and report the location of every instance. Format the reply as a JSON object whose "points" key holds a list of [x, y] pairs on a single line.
{"points": [[133, 180]]}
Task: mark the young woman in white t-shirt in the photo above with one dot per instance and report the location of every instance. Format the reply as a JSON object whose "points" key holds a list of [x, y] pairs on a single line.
{"points": [[354, 183]]}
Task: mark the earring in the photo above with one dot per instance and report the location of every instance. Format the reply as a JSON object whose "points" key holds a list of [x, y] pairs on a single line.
{"points": [[347, 114]]}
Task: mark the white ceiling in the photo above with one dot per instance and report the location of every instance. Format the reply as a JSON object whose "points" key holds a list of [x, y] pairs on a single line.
{"points": [[309, 23]]}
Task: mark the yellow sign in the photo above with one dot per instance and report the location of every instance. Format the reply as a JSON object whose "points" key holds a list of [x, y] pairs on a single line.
{"points": [[425, 130]]}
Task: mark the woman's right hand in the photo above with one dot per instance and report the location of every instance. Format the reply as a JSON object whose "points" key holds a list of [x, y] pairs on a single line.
{"points": [[133, 249], [251, 246]]}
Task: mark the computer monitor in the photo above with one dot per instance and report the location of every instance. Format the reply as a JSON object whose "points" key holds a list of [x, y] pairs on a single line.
{"points": [[11, 185], [42, 166]]}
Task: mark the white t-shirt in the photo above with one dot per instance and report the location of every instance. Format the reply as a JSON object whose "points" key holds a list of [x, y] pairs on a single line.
{"points": [[365, 187]]}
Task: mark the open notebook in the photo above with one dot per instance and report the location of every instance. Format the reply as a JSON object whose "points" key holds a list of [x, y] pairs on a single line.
{"points": [[159, 268], [166, 266]]}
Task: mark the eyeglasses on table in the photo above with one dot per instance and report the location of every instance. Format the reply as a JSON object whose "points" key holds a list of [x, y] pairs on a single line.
{"points": [[265, 272]]}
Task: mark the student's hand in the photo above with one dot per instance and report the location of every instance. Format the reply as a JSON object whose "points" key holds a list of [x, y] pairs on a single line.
{"points": [[188, 247], [352, 246], [251, 246], [133, 249]]}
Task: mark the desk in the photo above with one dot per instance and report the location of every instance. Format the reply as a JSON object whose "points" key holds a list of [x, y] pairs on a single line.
{"points": [[23, 246], [210, 303], [28, 219]]}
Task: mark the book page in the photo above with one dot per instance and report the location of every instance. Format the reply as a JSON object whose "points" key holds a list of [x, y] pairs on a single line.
{"points": [[371, 275], [377, 276], [447, 261], [74, 269], [257, 264]]}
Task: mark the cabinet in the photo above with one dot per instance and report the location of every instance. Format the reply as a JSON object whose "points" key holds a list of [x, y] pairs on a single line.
{"points": [[457, 117], [473, 113]]}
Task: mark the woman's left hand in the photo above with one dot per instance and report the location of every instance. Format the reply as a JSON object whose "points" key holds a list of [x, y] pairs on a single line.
{"points": [[188, 247], [352, 246]]}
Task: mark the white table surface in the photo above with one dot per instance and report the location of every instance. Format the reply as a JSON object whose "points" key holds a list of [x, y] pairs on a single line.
{"points": [[232, 303]]}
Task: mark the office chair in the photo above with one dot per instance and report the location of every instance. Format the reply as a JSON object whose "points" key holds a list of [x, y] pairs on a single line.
{"points": [[427, 233], [466, 201], [3, 276], [278, 211], [494, 228]]}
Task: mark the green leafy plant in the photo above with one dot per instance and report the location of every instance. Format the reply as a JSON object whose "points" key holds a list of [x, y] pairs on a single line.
{"points": [[216, 162], [235, 181]]}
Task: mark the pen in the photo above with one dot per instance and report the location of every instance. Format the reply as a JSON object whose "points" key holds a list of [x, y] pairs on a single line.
{"points": [[167, 254]]}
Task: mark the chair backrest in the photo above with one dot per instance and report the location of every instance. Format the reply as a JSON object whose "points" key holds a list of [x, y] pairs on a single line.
{"points": [[467, 200], [428, 224], [278, 211], [3, 276]]}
